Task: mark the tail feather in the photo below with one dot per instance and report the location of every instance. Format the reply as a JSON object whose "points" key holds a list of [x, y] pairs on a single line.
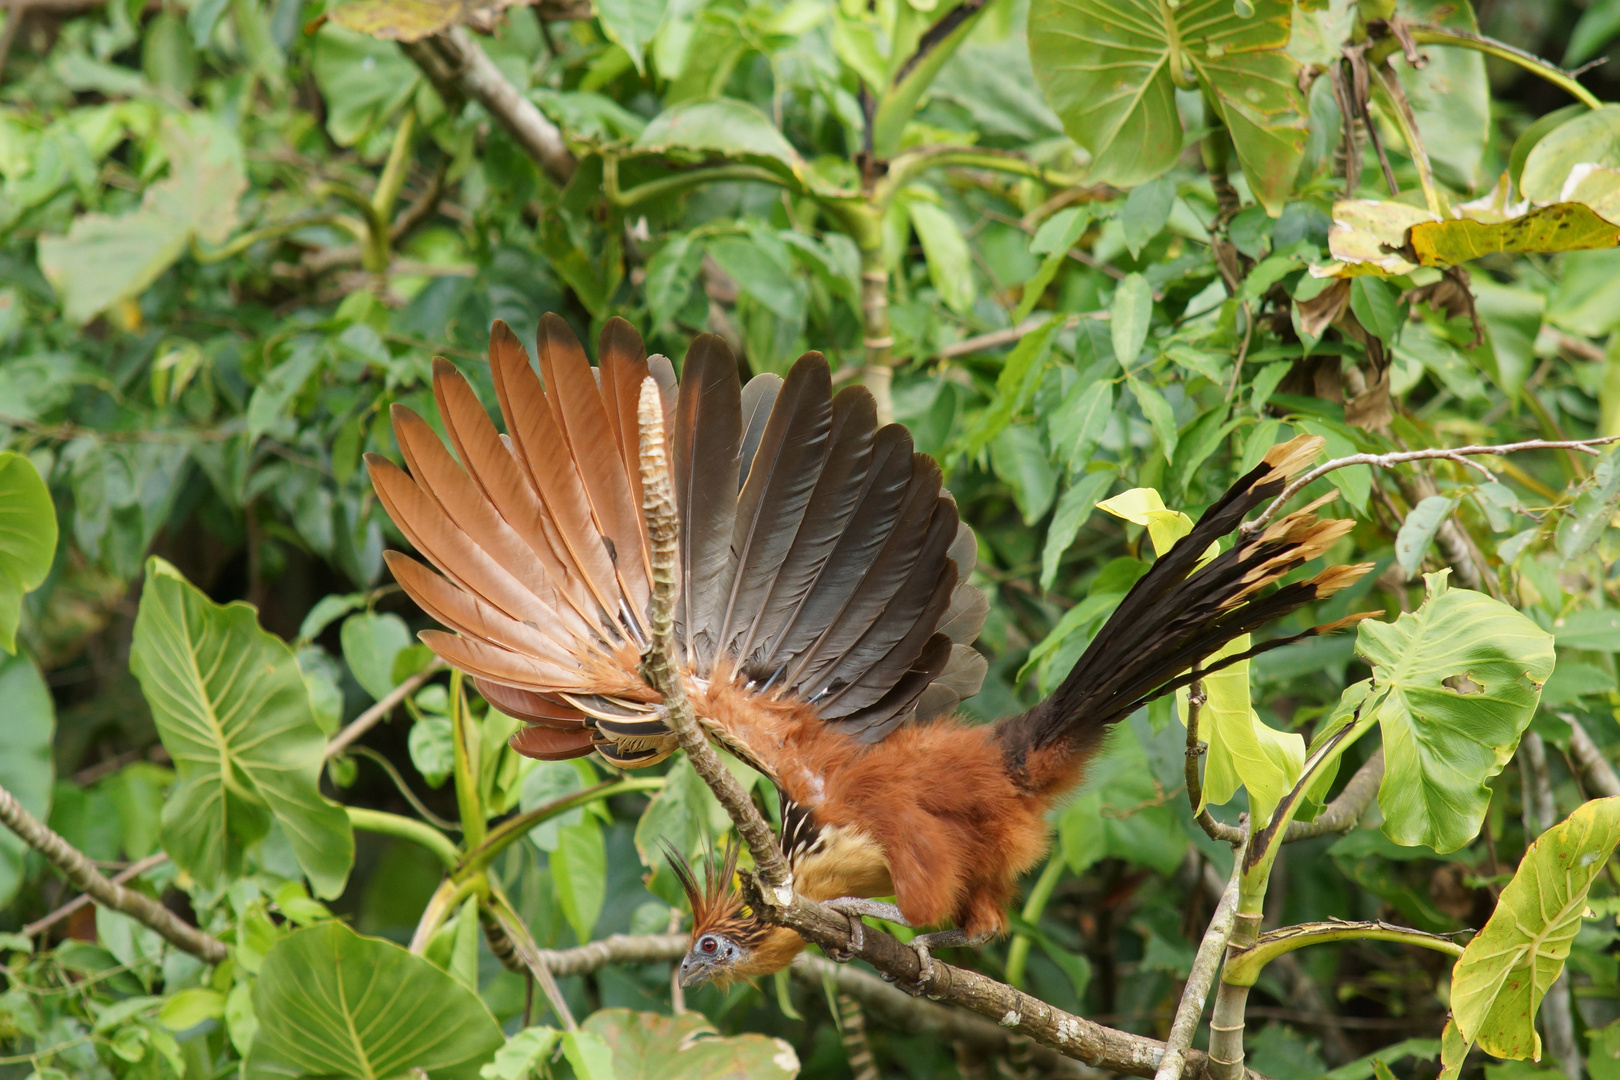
{"points": [[1180, 613]]}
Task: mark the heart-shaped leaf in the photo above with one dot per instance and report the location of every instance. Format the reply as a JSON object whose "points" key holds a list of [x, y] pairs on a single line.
{"points": [[232, 711]]}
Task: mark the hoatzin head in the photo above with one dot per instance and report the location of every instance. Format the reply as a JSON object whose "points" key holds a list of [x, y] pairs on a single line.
{"points": [[728, 941]]}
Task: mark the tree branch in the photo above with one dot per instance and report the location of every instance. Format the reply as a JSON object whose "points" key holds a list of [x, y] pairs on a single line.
{"points": [[1385, 461], [133, 870], [76, 866], [1595, 768], [372, 716], [1205, 964], [659, 667], [1341, 815], [458, 67]]}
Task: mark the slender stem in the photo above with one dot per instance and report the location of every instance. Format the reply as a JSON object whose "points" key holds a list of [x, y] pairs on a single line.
{"points": [[1018, 951], [523, 944], [1199, 980], [404, 828], [659, 667], [1342, 814], [517, 827], [133, 870], [78, 869], [240, 243], [1406, 120], [444, 902], [1243, 967], [1385, 461], [1434, 35], [908, 166], [466, 765], [876, 336], [392, 179], [405, 789]]}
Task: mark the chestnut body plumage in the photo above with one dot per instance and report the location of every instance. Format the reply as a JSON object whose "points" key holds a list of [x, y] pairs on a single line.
{"points": [[824, 616]]}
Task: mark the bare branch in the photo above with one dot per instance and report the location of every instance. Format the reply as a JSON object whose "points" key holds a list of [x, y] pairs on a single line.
{"points": [[372, 716], [133, 870], [458, 66], [1385, 461], [658, 665], [76, 866], [1202, 976], [1595, 768], [1342, 814]]}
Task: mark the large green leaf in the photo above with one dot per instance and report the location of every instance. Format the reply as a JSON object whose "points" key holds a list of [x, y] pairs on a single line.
{"points": [[104, 260], [1501, 977], [1456, 682], [723, 126], [331, 1003], [651, 1046], [232, 711], [1592, 139], [632, 24], [27, 539], [1449, 93], [27, 726], [1110, 69]]}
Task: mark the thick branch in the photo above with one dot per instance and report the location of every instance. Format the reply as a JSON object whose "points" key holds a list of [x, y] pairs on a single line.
{"points": [[1202, 976], [458, 66], [658, 665], [1385, 461], [1341, 815], [133, 870], [76, 866], [1595, 768]]}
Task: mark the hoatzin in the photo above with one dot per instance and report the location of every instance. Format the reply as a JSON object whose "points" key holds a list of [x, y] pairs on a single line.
{"points": [[823, 618]]}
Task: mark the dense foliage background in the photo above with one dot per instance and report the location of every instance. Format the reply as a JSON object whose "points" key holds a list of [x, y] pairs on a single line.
{"points": [[233, 233]]}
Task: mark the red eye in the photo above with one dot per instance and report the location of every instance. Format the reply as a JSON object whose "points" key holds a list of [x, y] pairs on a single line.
{"points": [[707, 945]]}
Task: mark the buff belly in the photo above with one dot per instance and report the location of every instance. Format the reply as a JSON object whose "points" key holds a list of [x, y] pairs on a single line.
{"points": [[843, 862]]}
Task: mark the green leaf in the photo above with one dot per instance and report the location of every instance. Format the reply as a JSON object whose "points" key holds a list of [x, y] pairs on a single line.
{"points": [[1129, 317], [1593, 510], [1072, 510], [1054, 238], [1109, 69], [27, 540], [27, 769], [579, 872], [1080, 420], [363, 81], [188, 1008], [524, 1055], [1147, 208], [332, 1003], [1243, 751], [1589, 139], [1020, 373], [950, 266], [1589, 629], [632, 24], [767, 275], [1377, 306], [232, 711], [1022, 462], [1598, 25], [1502, 975], [1159, 415], [722, 126], [589, 1056], [1442, 744], [1450, 96], [1417, 531], [370, 644], [104, 260], [1604, 1060], [652, 1046]]}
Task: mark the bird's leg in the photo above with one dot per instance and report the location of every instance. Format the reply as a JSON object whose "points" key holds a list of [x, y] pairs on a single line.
{"points": [[925, 944], [853, 907]]}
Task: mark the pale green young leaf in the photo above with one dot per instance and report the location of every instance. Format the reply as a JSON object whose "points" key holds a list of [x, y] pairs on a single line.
{"points": [[371, 641], [950, 265], [1128, 318], [579, 872], [27, 539], [1503, 974], [1419, 529]]}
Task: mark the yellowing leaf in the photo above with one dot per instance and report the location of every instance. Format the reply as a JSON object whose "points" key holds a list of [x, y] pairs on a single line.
{"points": [[1369, 237], [1505, 971], [1566, 226], [1243, 752], [1145, 507]]}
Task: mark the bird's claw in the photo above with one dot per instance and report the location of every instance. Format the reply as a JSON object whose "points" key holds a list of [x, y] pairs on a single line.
{"points": [[853, 908]]}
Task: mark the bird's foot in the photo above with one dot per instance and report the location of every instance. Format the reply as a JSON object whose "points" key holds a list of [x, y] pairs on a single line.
{"points": [[925, 944], [852, 908]]}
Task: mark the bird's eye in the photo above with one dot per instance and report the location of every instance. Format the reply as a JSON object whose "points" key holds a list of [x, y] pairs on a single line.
{"points": [[708, 945]]}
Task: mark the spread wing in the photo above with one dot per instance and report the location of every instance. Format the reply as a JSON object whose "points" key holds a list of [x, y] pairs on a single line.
{"points": [[821, 561]]}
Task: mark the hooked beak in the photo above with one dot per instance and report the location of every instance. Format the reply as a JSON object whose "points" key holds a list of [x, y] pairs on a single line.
{"points": [[695, 970]]}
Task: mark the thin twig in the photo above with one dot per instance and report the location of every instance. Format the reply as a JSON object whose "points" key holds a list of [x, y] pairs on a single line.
{"points": [[658, 664], [405, 789], [1202, 976], [133, 870], [78, 869], [997, 338], [1385, 461], [374, 715]]}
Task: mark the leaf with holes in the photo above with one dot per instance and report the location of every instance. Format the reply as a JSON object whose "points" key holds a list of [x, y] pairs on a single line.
{"points": [[1505, 971], [1459, 679], [1110, 69], [332, 1003], [232, 711]]}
